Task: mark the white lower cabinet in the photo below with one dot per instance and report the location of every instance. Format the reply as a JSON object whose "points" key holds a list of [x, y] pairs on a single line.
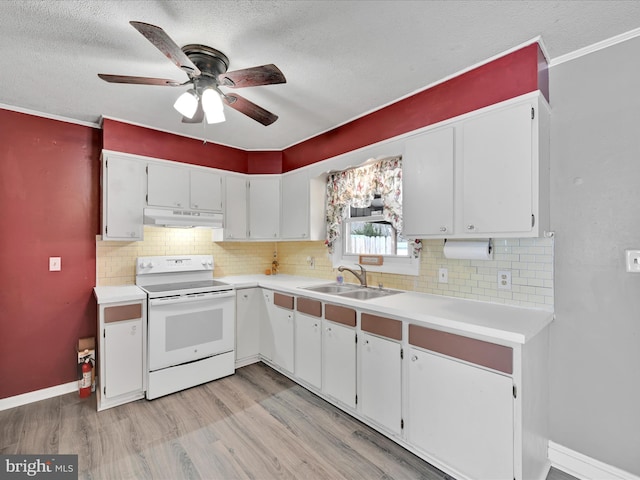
{"points": [[276, 331], [308, 341], [339, 354], [461, 415], [380, 396], [123, 358], [121, 349], [249, 311]]}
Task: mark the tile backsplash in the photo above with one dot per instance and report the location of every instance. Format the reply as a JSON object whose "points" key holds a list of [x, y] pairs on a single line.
{"points": [[530, 262], [116, 261]]}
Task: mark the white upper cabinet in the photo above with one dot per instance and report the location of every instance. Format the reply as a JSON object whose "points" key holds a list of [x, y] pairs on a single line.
{"points": [[302, 211], [485, 174], [498, 171], [235, 218], [183, 187], [167, 186], [123, 190], [427, 183], [206, 190], [264, 208]]}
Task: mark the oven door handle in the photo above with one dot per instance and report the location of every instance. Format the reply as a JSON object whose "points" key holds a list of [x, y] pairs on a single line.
{"points": [[191, 298]]}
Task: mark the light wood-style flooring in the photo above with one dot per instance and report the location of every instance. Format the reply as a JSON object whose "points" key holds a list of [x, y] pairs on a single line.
{"points": [[256, 424]]}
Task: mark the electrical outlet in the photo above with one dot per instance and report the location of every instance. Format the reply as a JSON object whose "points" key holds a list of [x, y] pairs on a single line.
{"points": [[504, 280], [633, 261], [443, 275], [311, 261], [55, 264]]}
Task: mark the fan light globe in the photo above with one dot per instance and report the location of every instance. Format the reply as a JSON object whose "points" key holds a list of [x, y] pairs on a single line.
{"points": [[187, 103], [212, 106], [215, 117]]}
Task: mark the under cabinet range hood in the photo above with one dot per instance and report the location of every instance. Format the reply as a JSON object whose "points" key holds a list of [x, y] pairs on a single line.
{"points": [[161, 217]]}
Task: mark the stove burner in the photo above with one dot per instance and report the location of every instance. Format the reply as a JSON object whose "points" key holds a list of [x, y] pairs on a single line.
{"points": [[170, 287]]}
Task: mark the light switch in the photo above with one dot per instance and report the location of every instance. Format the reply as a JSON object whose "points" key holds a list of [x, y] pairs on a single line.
{"points": [[55, 264], [633, 261]]}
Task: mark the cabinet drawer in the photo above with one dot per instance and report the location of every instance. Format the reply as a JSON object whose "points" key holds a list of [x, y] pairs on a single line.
{"points": [[344, 315], [309, 306], [119, 313], [385, 327], [486, 354], [284, 301]]}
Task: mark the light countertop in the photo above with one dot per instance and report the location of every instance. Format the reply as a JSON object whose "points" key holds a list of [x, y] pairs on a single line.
{"points": [[120, 293], [500, 322]]}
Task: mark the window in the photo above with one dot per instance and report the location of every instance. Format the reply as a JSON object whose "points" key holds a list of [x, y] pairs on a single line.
{"points": [[364, 216], [367, 232]]}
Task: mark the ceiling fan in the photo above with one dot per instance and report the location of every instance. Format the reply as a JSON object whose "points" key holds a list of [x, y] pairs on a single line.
{"points": [[206, 68]]}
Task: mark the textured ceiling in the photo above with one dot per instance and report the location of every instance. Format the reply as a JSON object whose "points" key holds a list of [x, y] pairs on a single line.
{"points": [[341, 58]]}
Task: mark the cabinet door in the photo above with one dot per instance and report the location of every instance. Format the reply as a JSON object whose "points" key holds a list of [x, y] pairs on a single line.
{"points": [[249, 311], [264, 208], [266, 331], [497, 172], [235, 217], [461, 414], [381, 390], [206, 190], [167, 186], [308, 349], [295, 206], [282, 326], [123, 358], [339, 362], [123, 190], [276, 334], [427, 184]]}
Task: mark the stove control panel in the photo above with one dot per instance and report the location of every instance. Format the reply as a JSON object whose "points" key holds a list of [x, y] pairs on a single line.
{"points": [[173, 264]]}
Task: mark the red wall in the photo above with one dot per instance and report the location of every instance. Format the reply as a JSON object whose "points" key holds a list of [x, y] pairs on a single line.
{"points": [[124, 137], [49, 193], [501, 79]]}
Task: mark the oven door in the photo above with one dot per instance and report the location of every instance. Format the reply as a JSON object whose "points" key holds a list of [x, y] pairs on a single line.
{"points": [[191, 327]]}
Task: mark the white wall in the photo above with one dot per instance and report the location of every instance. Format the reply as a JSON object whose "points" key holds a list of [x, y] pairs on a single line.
{"points": [[595, 212]]}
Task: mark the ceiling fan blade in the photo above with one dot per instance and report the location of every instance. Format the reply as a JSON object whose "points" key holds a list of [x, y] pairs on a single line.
{"points": [[139, 80], [252, 77], [198, 117], [250, 109], [167, 46]]}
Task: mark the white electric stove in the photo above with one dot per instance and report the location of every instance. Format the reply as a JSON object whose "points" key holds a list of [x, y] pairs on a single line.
{"points": [[191, 322]]}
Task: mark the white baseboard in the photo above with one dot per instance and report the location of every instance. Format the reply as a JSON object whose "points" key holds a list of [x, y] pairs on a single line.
{"points": [[36, 396], [583, 467]]}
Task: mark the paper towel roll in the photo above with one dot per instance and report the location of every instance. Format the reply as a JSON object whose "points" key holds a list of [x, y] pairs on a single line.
{"points": [[467, 249]]}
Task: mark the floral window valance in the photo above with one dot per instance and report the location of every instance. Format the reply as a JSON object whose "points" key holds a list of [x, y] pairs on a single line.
{"points": [[356, 188]]}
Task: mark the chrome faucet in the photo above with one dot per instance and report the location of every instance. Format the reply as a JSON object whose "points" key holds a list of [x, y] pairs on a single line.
{"points": [[362, 276]]}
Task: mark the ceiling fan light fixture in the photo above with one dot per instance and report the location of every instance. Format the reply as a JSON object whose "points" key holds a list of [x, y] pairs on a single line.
{"points": [[187, 103], [212, 106]]}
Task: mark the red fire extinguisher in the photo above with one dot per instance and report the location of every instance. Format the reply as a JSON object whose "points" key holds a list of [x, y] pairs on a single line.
{"points": [[85, 383]]}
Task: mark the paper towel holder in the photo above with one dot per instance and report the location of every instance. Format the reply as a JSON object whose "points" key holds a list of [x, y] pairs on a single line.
{"points": [[490, 244], [468, 249]]}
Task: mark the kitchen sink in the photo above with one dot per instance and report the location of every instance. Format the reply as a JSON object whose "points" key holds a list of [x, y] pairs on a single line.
{"points": [[335, 289], [353, 291], [368, 293]]}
